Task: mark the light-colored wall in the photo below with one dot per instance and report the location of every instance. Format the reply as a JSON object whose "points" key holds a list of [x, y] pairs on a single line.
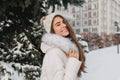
{"points": [[107, 11]]}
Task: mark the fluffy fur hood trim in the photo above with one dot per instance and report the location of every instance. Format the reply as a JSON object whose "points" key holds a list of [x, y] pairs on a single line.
{"points": [[53, 40]]}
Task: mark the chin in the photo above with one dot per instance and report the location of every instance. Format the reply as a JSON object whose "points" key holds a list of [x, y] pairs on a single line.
{"points": [[65, 34]]}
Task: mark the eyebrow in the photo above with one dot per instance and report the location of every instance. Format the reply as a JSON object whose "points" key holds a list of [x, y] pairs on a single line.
{"points": [[57, 23]]}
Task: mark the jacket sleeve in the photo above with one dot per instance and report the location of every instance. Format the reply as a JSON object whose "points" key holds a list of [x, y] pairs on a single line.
{"points": [[57, 69]]}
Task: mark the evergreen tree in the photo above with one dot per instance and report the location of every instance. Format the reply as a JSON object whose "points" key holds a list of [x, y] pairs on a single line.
{"points": [[20, 55], [20, 37]]}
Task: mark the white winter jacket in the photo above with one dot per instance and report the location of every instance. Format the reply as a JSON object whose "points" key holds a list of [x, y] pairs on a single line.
{"points": [[56, 65]]}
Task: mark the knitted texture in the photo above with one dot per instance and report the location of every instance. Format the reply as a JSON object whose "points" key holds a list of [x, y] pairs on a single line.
{"points": [[48, 21]]}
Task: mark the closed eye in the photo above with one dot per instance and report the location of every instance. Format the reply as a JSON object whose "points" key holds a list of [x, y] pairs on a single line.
{"points": [[57, 24]]}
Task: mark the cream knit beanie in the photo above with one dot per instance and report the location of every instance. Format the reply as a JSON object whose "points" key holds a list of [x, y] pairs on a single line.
{"points": [[47, 22]]}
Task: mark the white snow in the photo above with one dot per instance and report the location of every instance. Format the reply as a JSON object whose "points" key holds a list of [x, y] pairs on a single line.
{"points": [[102, 64], [10, 73], [18, 48]]}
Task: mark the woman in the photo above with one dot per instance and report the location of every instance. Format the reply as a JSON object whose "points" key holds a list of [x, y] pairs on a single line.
{"points": [[64, 58]]}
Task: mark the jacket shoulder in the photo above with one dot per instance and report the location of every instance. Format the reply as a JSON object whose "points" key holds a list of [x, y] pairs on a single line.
{"points": [[55, 51]]}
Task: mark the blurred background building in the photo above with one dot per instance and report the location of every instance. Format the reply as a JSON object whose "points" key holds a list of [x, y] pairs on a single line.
{"points": [[95, 16]]}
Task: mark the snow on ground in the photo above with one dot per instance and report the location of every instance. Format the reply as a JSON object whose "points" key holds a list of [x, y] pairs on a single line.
{"points": [[103, 64]]}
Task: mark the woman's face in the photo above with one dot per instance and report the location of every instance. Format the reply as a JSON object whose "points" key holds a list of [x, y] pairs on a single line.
{"points": [[60, 27]]}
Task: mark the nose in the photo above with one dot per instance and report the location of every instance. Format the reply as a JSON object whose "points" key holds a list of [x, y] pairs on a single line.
{"points": [[63, 24]]}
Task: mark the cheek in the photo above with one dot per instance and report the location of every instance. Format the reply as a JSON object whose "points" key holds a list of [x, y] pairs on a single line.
{"points": [[56, 29]]}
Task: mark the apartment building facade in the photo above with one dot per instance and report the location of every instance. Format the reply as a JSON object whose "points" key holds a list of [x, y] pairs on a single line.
{"points": [[99, 16], [96, 16]]}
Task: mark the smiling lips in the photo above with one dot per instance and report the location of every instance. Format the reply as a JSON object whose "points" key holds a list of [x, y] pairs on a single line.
{"points": [[64, 30]]}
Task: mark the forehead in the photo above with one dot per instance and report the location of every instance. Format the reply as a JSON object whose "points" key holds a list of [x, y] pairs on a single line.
{"points": [[57, 18]]}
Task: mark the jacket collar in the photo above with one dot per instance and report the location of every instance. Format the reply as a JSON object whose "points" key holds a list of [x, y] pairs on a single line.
{"points": [[53, 40]]}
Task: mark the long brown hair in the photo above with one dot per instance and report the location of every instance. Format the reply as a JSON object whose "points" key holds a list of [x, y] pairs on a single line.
{"points": [[74, 39]]}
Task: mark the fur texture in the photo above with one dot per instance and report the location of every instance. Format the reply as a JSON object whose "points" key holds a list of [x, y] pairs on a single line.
{"points": [[54, 40]]}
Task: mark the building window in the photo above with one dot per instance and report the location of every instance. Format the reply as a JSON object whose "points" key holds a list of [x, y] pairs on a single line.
{"points": [[94, 21], [94, 6], [85, 23], [89, 14], [89, 22], [85, 15], [78, 23], [94, 14], [73, 10], [85, 30], [74, 16], [77, 16], [73, 23], [94, 30], [85, 7], [89, 0], [78, 31], [89, 6]]}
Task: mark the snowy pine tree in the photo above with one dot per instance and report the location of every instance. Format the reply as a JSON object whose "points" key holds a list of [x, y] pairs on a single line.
{"points": [[20, 55]]}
